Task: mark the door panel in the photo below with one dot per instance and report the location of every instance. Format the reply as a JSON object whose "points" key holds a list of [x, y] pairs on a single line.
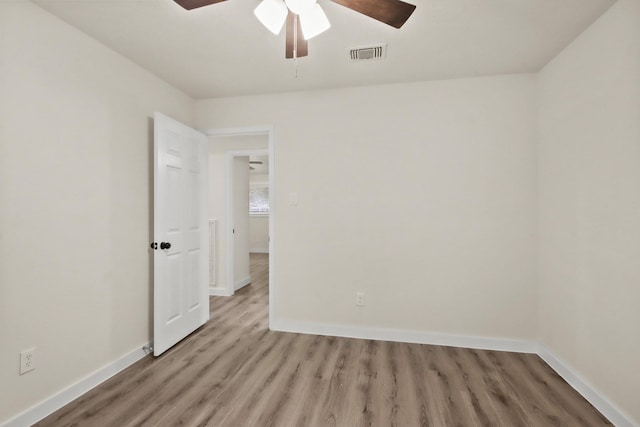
{"points": [[240, 202], [181, 300]]}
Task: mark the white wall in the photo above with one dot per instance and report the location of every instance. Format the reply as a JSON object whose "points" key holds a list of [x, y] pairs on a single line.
{"points": [[259, 233], [259, 179], [421, 195], [219, 146], [241, 221], [589, 186], [75, 202]]}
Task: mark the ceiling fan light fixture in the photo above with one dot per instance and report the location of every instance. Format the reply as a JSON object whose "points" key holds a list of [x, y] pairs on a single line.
{"points": [[272, 14], [314, 22], [300, 7]]}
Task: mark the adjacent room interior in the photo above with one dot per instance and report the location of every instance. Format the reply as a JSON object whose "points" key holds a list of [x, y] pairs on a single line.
{"points": [[476, 190], [238, 166]]}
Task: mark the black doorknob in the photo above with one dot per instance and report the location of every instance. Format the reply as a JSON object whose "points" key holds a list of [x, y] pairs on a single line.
{"points": [[165, 245]]}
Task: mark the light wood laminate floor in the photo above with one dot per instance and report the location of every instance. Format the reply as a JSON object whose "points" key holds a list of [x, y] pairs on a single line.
{"points": [[234, 372]]}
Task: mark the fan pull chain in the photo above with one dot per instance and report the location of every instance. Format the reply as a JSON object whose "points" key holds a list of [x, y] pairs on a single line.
{"points": [[295, 43]]}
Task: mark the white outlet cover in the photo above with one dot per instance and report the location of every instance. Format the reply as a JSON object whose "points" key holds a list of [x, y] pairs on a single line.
{"points": [[27, 360]]}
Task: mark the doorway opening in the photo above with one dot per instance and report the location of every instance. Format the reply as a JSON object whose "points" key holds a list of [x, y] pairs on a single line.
{"points": [[233, 154]]}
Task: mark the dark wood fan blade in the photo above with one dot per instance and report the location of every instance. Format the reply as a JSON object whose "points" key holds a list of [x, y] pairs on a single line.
{"points": [[194, 4], [391, 12], [295, 40]]}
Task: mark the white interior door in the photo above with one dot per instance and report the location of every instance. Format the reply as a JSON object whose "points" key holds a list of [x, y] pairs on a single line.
{"points": [[241, 222], [181, 295]]}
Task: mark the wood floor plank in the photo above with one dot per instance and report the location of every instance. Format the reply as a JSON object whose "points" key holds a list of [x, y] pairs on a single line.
{"points": [[235, 372]]}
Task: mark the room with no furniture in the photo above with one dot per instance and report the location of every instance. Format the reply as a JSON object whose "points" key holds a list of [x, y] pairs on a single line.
{"points": [[450, 213]]}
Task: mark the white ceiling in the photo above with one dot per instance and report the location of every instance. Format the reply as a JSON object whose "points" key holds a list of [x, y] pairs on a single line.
{"points": [[222, 50]]}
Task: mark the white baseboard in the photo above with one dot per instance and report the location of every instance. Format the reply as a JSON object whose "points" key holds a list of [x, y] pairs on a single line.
{"points": [[220, 292], [597, 399], [67, 395], [398, 335], [242, 283], [259, 250]]}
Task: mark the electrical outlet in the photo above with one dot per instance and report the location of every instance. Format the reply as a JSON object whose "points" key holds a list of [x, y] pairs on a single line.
{"points": [[27, 360], [360, 299]]}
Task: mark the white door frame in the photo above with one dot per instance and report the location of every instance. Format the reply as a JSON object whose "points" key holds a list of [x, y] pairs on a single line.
{"points": [[267, 130]]}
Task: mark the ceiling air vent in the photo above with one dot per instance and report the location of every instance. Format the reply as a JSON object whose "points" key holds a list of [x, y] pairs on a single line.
{"points": [[368, 52]]}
